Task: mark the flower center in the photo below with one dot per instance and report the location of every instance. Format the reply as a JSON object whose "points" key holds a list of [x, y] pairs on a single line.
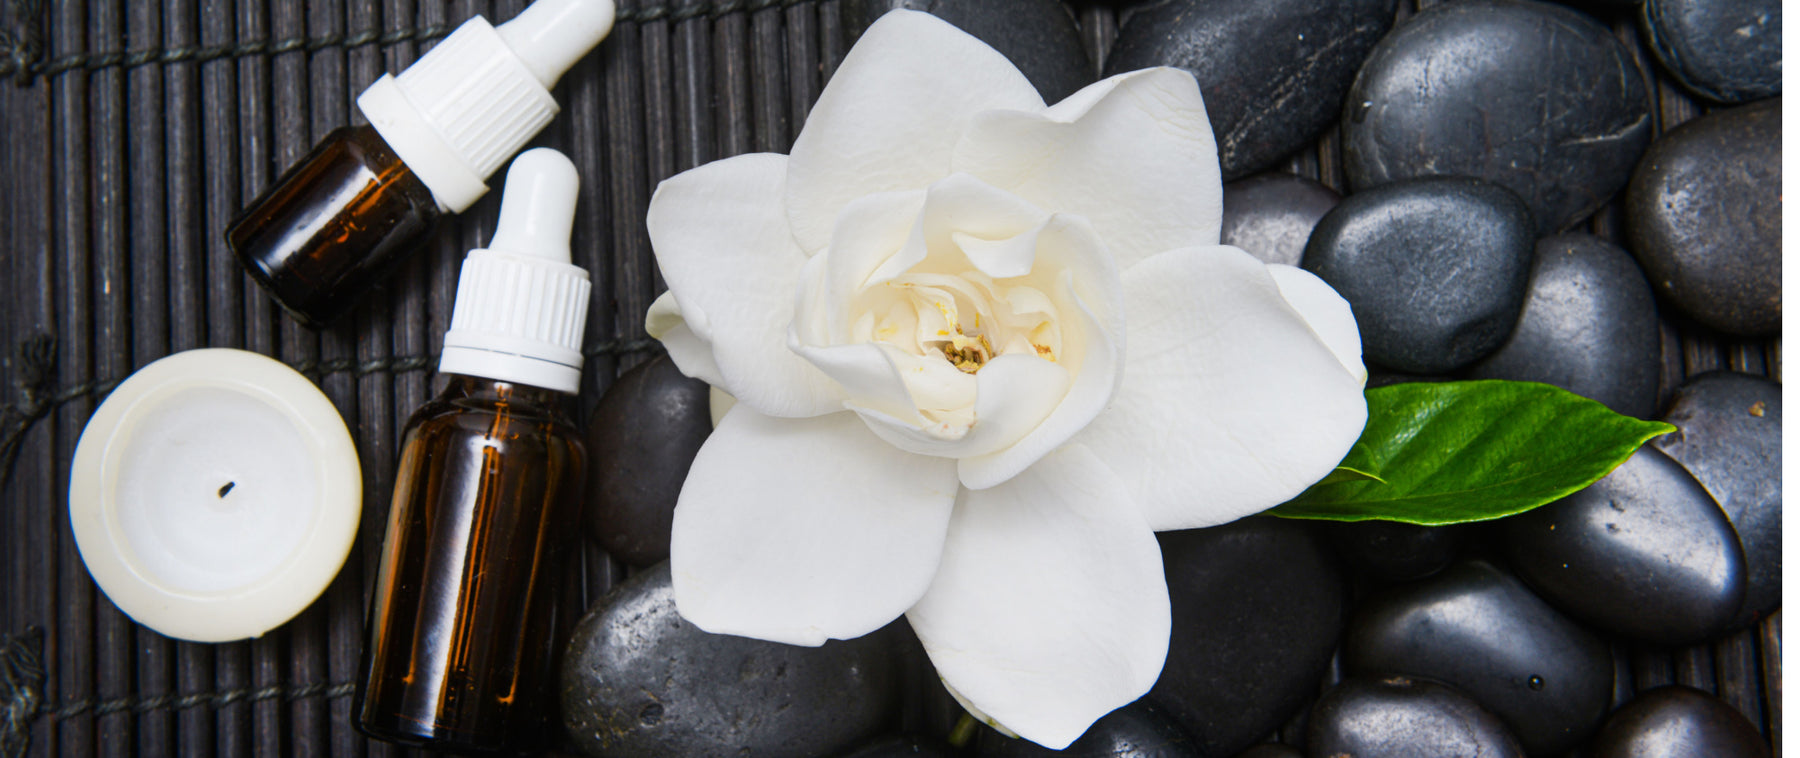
{"points": [[968, 318], [968, 354]]}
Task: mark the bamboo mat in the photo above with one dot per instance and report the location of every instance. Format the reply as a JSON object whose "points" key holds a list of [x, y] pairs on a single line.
{"points": [[134, 130]]}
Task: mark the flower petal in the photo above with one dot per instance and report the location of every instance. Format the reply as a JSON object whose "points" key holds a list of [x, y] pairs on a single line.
{"points": [[1091, 302], [1133, 153], [723, 245], [691, 353], [866, 372], [1327, 312], [802, 530], [1230, 402], [891, 114], [1014, 394], [1049, 609]]}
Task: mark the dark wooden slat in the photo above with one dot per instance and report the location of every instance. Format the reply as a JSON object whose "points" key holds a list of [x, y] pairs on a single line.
{"points": [[149, 313], [627, 180], [69, 649], [373, 425], [768, 91], [1694, 668], [257, 164], [195, 735], [1099, 25], [25, 154], [325, 649], [695, 143], [290, 103], [116, 658], [1769, 639], [802, 43], [582, 95], [379, 435], [224, 305], [1739, 675], [659, 98], [832, 42], [257, 167], [731, 78]]}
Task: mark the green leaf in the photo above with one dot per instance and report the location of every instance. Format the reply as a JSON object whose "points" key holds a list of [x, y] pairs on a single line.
{"points": [[1453, 452], [1347, 474]]}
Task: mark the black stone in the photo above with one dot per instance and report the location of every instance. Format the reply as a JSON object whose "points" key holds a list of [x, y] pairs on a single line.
{"points": [[1678, 722], [1271, 750], [1723, 50], [1476, 628], [1270, 216], [1402, 717], [1136, 730], [1038, 36], [907, 746], [1589, 326], [1256, 607], [1703, 214], [1434, 268], [1391, 551], [1730, 440], [1539, 98], [1273, 73], [643, 437], [640, 680], [1644, 552]]}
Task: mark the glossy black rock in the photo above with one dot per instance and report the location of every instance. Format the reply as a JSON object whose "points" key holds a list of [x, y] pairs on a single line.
{"points": [[1271, 750], [1537, 97], [908, 746], [1271, 216], [1476, 628], [1730, 440], [1644, 552], [1589, 326], [1256, 607], [1724, 50], [1137, 730], [1703, 214], [1390, 551], [1434, 268], [642, 438], [1402, 717], [640, 680], [1038, 36], [1273, 73], [1678, 722]]}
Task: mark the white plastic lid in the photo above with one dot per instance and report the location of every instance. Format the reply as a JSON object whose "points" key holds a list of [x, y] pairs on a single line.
{"points": [[521, 307], [477, 97]]}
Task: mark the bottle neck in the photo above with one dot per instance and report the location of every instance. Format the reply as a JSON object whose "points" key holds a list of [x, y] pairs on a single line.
{"points": [[483, 389]]}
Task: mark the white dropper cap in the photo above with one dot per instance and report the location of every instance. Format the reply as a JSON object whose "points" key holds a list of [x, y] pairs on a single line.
{"points": [[477, 97], [521, 307]]}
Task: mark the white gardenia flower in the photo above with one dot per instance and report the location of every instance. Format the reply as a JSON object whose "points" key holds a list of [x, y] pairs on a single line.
{"points": [[982, 348]]}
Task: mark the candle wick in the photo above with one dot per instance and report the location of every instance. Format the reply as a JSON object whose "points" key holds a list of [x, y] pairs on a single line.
{"points": [[227, 488]]}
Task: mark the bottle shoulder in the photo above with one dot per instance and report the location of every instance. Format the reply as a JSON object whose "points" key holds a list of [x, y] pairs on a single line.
{"points": [[458, 409]]}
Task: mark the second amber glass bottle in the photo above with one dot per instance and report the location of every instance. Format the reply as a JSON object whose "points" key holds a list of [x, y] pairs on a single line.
{"points": [[366, 197], [462, 629]]}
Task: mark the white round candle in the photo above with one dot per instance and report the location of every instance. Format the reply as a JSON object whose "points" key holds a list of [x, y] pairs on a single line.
{"points": [[214, 495]]}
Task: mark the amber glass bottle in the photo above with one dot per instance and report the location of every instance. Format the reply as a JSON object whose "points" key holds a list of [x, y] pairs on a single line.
{"points": [[462, 627], [343, 217], [350, 193]]}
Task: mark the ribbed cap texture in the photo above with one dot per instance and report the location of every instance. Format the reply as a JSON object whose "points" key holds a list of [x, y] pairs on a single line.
{"points": [[478, 96], [538, 306]]}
